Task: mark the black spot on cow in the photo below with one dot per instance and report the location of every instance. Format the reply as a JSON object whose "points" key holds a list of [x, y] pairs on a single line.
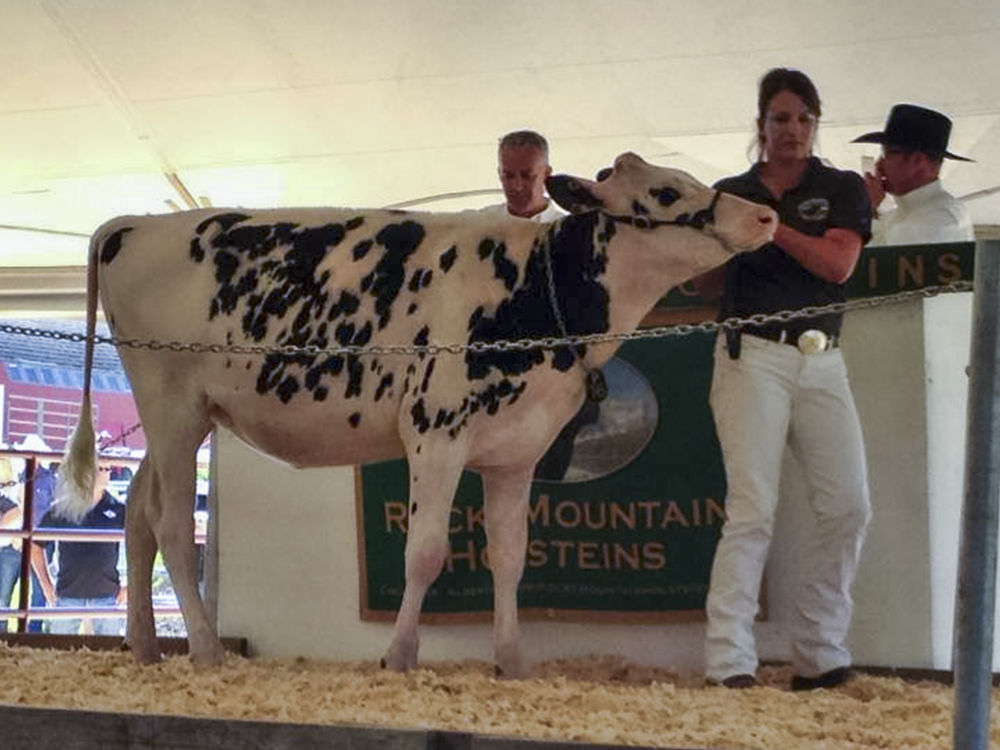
{"points": [[361, 249], [412, 308], [113, 244], [225, 221], [421, 277], [351, 224], [384, 385], [289, 387], [347, 304], [666, 196], [355, 419], [367, 281], [355, 376], [444, 418], [422, 337], [503, 267], [486, 248], [418, 413], [577, 266], [427, 375], [447, 259], [639, 209], [399, 242]]}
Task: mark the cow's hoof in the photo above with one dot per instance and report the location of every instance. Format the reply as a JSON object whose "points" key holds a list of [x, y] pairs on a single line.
{"points": [[397, 663], [208, 658], [508, 664], [509, 672], [143, 654]]}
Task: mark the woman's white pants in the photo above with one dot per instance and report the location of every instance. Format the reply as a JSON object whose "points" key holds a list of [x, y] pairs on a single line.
{"points": [[773, 395]]}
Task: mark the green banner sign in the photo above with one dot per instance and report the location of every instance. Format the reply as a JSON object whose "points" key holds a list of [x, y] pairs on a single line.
{"points": [[630, 529]]}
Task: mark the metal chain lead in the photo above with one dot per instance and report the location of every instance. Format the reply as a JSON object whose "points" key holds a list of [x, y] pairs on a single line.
{"points": [[681, 329]]}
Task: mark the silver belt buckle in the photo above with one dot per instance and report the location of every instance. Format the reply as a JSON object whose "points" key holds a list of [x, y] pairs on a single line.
{"points": [[813, 342]]}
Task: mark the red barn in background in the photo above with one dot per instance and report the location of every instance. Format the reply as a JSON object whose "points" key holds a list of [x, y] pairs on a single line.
{"points": [[41, 378]]}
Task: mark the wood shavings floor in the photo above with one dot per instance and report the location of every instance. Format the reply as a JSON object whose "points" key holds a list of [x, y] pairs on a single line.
{"points": [[604, 700]]}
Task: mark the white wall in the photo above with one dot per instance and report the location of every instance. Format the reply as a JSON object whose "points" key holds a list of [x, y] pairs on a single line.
{"points": [[288, 578], [288, 552]]}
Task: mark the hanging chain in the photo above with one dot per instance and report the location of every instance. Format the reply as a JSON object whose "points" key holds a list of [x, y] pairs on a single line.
{"points": [[524, 344]]}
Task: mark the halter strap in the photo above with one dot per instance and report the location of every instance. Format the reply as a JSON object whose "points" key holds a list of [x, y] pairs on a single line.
{"points": [[698, 220]]}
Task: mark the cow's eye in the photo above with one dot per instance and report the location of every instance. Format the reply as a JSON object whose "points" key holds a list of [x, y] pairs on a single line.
{"points": [[604, 174], [665, 195]]}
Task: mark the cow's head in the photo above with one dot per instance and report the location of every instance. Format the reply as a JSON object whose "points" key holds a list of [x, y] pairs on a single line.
{"points": [[649, 197]]}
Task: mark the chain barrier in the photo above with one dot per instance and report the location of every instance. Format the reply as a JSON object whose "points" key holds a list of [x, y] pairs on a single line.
{"points": [[524, 344]]}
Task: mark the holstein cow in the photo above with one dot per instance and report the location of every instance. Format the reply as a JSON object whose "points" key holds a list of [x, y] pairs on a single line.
{"points": [[300, 289]]}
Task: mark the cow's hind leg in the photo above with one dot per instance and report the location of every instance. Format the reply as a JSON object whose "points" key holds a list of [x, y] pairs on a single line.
{"points": [[433, 481], [172, 521], [140, 550], [506, 494]]}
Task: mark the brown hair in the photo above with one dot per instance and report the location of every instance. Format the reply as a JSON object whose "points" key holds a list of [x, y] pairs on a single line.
{"points": [[773, 83]]}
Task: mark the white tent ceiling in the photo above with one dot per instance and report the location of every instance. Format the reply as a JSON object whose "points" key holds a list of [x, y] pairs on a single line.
{"points": [[119, 106]]}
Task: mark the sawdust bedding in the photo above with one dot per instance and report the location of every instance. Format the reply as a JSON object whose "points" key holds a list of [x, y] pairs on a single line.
{"points": [[602, 700]]}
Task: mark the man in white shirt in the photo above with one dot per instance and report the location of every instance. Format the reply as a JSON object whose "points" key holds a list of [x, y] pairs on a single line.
{"points": [[523, 166], [914, 146]]}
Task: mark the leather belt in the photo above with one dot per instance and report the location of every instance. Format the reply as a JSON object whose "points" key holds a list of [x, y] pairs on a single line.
{"points": [[810, 341]]}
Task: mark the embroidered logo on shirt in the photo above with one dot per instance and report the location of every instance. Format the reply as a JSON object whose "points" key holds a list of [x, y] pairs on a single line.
{"points": [[814, 209]]}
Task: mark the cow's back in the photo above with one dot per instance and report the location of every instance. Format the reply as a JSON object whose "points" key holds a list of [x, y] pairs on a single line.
{"points": [[263, 285]]}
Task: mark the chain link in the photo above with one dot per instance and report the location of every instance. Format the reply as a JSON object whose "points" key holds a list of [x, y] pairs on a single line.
{"points": [[552, 342]]}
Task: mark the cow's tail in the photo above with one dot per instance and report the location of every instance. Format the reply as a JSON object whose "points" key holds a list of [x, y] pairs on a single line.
{"points": [[77, 474]]}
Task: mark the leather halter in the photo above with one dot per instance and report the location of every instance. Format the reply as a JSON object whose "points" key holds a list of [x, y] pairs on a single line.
{"points": [[597, 389], [698, 220]]}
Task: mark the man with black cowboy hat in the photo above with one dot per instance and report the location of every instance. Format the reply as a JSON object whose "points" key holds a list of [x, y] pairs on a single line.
{"points": [[914, 146]]}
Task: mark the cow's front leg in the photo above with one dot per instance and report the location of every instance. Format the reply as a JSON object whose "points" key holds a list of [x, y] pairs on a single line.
{"points": [[433, 481], [506, 516]]}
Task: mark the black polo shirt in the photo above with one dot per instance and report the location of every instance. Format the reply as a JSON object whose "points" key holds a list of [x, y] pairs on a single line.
{"points": [[769, 280], [89, 570]]}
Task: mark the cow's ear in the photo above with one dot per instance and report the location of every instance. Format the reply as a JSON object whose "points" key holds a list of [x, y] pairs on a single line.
{"points": [[572, 194]]}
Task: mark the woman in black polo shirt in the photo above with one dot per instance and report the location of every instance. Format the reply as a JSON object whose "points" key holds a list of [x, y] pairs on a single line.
{"points": [[785, 383]]}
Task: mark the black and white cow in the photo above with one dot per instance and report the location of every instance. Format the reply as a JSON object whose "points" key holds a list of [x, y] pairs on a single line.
{"points": [[285, 280]]}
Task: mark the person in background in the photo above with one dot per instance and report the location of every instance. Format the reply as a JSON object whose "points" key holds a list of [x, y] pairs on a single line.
{"points": [[523, 166], [914, 147], [88, 573], [785, 383], [10, 549], [44, 492]]}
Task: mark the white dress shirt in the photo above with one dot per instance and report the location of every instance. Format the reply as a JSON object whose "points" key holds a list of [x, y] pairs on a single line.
{"points": [[924, 216], [552, 212]]}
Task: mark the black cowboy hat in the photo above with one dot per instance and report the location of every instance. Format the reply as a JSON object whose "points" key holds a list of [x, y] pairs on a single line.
{"points": [[915, 129]]}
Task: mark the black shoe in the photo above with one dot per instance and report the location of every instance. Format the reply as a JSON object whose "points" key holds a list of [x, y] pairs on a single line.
{"points": [[737, 682], [830, 679]]}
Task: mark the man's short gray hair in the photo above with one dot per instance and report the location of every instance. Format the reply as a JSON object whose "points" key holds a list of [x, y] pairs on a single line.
{"points": [[525, 138]]}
